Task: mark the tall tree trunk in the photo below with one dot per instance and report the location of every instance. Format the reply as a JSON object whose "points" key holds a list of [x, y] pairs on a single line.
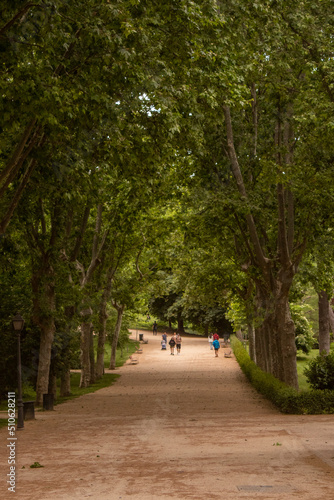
{"points": [[91, 355], [120, 311], [85, 343], [65, 375], [239, 335], [53, 386], [251, 341], [180, 326], [43, 316], [99, 367], [97, 246], [324, 325], [65, 383], [331, 318], [103, 316]]}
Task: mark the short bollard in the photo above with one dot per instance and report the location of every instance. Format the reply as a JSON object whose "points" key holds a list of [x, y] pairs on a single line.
{"points": [[48, 401], [28, 410]]}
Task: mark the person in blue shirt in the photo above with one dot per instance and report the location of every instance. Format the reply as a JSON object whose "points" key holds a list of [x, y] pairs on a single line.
{"points": [[216, 346]]}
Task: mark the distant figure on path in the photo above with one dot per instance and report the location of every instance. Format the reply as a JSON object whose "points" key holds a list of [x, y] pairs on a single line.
{"points": [[164, 337], [172, 343], [155, 328], [216, 346], [210, 340], [178, 341], [215, 336]]}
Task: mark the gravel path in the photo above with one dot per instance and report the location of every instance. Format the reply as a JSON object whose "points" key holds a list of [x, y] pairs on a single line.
{"points": [[173, 428]]}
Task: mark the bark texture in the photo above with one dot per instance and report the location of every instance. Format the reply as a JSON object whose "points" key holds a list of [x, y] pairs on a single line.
{"points": [[43, 316], [324, 323], [120, 310]]}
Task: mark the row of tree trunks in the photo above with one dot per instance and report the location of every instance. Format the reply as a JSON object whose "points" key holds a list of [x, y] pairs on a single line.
{"points": [[275, 350]]}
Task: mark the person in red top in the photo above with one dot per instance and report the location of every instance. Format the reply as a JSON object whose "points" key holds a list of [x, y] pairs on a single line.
{"points": [[215, 336]]}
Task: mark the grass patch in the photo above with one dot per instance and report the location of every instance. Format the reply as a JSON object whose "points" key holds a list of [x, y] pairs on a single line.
{"points": [[302, 362], [76, 391], [121, 354], [29, 394]]}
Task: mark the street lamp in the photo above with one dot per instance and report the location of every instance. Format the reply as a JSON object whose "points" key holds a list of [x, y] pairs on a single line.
{"points": [[18, 323]]}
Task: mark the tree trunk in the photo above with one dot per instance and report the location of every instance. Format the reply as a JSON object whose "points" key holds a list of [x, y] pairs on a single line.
{"points": [[85, 349], [91, 355], [87, 361], [53, 386], [65, 383], [120, 311], [239, 335], [43, 316], [99, 367], [103, 316], [180, 327], [251, 341], [324, 325], [331, 318]]}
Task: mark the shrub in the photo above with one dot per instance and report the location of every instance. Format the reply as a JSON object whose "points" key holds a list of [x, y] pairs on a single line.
{"points": [[320, 372], [285, 398]]}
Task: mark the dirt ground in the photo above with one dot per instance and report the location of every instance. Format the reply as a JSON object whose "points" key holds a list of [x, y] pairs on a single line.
{"points": [[172, 428]]}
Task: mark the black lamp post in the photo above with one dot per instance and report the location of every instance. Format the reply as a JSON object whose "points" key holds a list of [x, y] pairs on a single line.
{"points": [[18, 323]]}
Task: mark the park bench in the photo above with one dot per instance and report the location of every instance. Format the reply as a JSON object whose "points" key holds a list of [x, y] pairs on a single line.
{"points": [[228, 354], [133, 361]]}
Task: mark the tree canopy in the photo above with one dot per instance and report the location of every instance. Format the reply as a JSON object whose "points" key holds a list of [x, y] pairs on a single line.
{"points": [[175, 154]]}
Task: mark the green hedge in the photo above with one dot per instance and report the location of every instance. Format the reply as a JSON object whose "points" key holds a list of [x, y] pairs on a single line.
{"points": [[285, 398]]}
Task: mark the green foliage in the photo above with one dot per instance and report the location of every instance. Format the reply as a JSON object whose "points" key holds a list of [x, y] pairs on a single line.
{"points": [[304, 333], [320, 372], [285, 398]]}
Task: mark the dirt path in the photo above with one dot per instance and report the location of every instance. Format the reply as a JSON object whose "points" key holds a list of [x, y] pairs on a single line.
{"points": [[173, 427]]}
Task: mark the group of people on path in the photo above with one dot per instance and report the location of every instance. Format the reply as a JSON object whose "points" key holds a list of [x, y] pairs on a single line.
{"points": [[175, 341], [214, 342]]}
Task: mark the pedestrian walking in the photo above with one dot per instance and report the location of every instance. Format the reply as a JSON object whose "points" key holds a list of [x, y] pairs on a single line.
{"points": [[215, 336], [210, 340], [164, 337], [155, 328], [178, 341], [172, 344], [216, 346]]}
